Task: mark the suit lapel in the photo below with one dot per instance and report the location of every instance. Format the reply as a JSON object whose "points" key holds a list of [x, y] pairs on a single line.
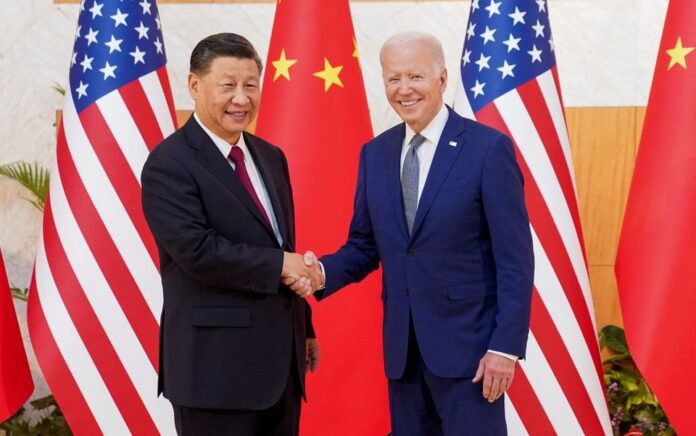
{"points": [[394, 146], [213, 161], [445, 155], [261, 159]]}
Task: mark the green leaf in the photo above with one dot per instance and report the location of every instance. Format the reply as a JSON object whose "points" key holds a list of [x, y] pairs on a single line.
{"points": [[614, 338], [33, 177]]}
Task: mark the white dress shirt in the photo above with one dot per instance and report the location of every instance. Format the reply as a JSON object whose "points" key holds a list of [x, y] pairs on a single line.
{"points": [[253, 172]]}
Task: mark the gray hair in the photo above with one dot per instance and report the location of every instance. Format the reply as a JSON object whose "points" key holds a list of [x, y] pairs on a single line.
{"points": [[430, 41]]}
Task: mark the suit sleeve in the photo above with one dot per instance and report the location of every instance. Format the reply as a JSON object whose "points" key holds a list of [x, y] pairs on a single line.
{"points": [[508, 223], [177, 218], [359, 255]]}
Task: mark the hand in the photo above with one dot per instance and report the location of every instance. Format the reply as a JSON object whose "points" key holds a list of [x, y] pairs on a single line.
{"points": [[312, 354], [302, 274], [497, 372]]}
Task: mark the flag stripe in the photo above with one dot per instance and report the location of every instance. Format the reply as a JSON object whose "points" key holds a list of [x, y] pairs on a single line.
{"points": [[545, 226], [565, 323], [514, 423], [88, 380], [109, 280], [141, 115], [155, 96], [93, 336], [549, 391], [528, 407], [105, 154], [91, 145], [563, 368], [540, 116], [57, 375], [100, 247]]}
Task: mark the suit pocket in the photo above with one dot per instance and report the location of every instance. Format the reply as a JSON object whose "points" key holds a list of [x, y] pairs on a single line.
{"points": [[232, 316], [469, 292]]}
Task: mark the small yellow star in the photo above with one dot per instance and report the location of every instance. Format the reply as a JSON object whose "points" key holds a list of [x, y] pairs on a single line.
{"points": [[355, 52], [330, 75], [282, 66], [678, 54]]}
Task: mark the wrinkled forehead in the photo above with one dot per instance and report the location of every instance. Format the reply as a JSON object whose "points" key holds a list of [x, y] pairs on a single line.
{"points": [[408, 58]]}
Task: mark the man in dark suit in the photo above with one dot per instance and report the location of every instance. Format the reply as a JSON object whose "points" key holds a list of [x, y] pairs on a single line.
{"points": [[440, 203], [234, 342]]}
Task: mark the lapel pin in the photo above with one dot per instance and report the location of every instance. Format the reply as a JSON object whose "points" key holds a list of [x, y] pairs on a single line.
{"points": [[453, 143]]}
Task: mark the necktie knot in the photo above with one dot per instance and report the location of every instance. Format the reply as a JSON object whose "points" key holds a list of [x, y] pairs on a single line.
{"points": [[417, 141], [236, 155]]}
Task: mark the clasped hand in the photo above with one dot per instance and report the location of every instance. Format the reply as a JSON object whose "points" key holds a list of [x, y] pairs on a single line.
{"points": [[302, 273]]}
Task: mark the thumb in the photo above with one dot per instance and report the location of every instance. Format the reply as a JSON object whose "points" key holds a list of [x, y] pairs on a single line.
{"points": [[309, 258], [479, 372]]}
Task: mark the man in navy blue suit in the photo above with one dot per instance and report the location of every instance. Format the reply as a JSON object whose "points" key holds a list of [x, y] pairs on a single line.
{"points": [[440, 203]]}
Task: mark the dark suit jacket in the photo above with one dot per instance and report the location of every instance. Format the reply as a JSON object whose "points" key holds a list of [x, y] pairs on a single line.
{"points": [[465, 273], [228, 325]]}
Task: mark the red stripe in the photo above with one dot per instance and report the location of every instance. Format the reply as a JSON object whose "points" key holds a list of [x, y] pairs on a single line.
{"points": [[528, 406], [56, 371], [564, 369], [550, 239], [166, 87], [557, 84], [141, 111], [125, 183], [536, 106], [107, 256], [93, 335]]}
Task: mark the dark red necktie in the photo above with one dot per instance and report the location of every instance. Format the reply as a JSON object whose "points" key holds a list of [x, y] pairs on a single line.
{"points": [[237, 156]]}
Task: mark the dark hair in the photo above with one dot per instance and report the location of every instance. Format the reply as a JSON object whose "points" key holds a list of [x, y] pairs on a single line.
{"points": [[218, 45]]}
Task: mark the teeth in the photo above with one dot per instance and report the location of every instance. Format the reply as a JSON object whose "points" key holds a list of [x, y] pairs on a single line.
{"points": [[408, 103]]}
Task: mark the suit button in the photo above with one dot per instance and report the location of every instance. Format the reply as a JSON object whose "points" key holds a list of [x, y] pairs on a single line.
{"points": [[411, 252]]}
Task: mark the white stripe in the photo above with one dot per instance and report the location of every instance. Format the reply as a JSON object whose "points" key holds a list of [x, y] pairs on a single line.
{"points": [[547, 389], [512, 419], [521, 127], [558, 307], [71, 347], [95, 285], [124, 130], [553, 102], [112, 212], [154, 90]]}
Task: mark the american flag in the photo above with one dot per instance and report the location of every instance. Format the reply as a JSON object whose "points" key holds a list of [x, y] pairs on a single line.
{"points": [[96, 294], [510, 82]]}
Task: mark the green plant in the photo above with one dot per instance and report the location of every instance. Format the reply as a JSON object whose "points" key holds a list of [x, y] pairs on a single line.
{"points": [[34, 177], [632, 405], [51, 421]]}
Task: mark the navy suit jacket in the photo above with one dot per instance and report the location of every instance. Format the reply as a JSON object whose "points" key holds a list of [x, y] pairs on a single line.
{"points": [[465, 273], [228, 325]]}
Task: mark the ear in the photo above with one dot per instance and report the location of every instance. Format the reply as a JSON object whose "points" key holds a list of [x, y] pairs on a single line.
{"points": [[443, 80], [193, 84]]}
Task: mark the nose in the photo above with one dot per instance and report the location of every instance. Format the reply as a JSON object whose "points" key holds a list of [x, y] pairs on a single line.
{"points": [[240, 97], [404, 86]]}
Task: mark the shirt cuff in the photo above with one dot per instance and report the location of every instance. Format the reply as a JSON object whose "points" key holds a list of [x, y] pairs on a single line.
{"points": [[499, 353], [323, 274]]}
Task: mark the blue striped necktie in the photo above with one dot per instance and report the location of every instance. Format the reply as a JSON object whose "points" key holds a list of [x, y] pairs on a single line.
{"points": [[409, 180]]}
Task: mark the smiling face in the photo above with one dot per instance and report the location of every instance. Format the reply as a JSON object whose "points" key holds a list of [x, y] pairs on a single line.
{"points": [[226, 96], [414, 81]]}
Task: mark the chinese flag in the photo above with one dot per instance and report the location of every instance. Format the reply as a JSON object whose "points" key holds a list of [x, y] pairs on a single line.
{"points": [[15, 379], [313, 105], [656, 261]]}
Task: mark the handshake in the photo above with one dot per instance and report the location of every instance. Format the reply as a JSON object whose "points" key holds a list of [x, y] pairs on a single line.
{"points": [[302, 274]]}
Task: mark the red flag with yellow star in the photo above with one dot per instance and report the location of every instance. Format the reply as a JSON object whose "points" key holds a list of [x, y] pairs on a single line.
{"points": [[656, 261], [313, 106]]}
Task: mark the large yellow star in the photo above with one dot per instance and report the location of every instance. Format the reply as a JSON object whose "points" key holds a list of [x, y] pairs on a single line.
{"points": [[330, 75], [678, 54], [282, 66]]}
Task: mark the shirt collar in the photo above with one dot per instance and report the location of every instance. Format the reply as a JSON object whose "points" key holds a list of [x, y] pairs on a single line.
{"points": [[222, 145], [432, 131]]}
